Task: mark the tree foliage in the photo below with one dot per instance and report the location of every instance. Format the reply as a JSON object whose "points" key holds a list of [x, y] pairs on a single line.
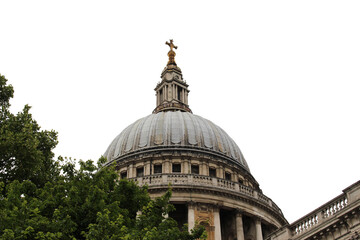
{"points": [[25, 150], [88, 203], [42, 198]]}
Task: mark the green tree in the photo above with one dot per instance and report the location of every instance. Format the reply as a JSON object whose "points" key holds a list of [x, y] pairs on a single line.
{"points": [[43, 198], [87, 203], [25, 150]]}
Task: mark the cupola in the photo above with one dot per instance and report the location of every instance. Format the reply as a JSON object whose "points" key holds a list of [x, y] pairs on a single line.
{"points": [[172, 92]]}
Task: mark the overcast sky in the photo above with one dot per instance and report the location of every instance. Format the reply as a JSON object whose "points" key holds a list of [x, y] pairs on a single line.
{"points": [[280, 77]]}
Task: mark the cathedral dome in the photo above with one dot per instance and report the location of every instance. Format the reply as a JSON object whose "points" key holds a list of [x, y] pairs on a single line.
{"points": [[175, 129], [210, 180]]}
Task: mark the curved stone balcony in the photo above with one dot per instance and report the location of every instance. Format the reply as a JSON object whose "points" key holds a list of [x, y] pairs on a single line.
{"points": [[196, 181]]}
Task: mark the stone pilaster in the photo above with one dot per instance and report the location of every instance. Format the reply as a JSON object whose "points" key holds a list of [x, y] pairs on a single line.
{"points": [[191, 215], [166, 92], [239, 226], [166, 166], [174, 91], [202, 170], [185, 166], [220, 172], [217, 223], [147, 169], [131, 171], [258, 229]]}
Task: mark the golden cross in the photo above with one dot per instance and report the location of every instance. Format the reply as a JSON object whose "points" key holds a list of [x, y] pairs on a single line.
{"points": [[171, 45]]}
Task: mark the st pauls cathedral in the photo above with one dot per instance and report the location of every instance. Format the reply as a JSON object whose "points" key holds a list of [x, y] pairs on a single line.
{"points": [[211, 181]]}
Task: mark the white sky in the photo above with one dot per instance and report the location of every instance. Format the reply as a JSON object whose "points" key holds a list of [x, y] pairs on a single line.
{"points": [[280, 77]]}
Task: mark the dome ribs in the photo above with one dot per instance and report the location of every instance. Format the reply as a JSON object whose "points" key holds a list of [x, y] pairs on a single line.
{"points": [[132, 136], [207, 135], [120, 145], [177, 131], [145, 131], [191, 129], [158, 132], [111, 149], [165, 130], [138, 132], [230, 145], [218, 138]]}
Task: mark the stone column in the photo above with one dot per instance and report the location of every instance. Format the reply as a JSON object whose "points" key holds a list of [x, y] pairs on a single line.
{"points": [[220, 172], [205, 169], [185, 166], [147, 170], [176, 91], [191, 215], [164, 92], [166, 166], [217, 223], [239, 226], [131, 170], [258, 229], [169, 92]]}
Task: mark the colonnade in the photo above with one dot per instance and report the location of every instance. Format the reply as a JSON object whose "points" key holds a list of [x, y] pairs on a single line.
{"points": [[217, 224], [204, 168], [175, 91]]}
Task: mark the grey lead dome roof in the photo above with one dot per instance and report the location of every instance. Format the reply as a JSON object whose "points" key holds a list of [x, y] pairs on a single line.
{"points": [[174, 129]]}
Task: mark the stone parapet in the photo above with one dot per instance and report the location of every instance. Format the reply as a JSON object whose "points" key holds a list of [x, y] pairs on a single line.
{"points": [[172, 106], [195, 181], [333, 220], [325, 212]]}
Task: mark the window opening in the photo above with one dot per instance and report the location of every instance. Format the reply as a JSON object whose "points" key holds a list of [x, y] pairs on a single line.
{"points": [[195, 169], [227, 176], [212, 172], [176, 168], [161, 95], [179, 93], [158, 168], [140, 172], [123, 175]]}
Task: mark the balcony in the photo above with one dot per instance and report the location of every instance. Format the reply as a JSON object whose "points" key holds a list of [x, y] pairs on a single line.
{"points": [[194, 180]]}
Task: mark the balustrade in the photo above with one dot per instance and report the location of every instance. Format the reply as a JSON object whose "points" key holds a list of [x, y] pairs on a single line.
{"points": [[202, 180], [247, 190], [178, 178], [263, 198], [326, 211], [334, 207], [226, 184], [306, 223]]}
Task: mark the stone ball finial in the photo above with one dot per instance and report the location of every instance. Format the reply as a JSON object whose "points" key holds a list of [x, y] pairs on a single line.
{"points": [[171, 53]]}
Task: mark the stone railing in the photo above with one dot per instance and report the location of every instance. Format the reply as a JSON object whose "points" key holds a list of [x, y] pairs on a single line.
{"points": [[319, 215], [167, 106], [201, 180]]}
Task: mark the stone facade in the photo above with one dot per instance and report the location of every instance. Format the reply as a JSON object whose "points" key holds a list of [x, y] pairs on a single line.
{"points": [[337, 219], [228, 208], [211, 182]]}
